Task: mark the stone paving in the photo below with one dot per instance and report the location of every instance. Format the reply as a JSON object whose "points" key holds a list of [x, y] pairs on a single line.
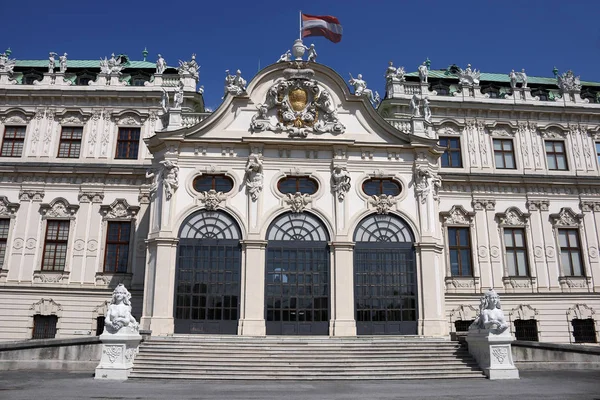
{"points": [[547, 385]]}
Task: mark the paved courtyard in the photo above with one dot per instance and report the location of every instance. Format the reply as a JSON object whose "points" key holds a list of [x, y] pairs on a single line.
{"points": [[42, 385]]}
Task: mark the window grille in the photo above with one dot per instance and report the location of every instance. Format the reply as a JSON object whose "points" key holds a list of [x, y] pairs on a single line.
{"points": [[526, 329], [584, 330], [44, 326]]}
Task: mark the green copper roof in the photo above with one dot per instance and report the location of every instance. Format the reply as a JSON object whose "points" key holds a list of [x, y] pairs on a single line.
{"points": [[82, 64], [490, 77]]}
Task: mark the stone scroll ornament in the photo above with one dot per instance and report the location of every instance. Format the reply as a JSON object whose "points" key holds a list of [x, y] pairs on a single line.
{"points": [[297, 105]]}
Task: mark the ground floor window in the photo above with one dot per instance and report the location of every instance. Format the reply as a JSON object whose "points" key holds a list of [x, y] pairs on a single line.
{"points": [[44, 326], [463, 325], [584, 330], [526, 329]]}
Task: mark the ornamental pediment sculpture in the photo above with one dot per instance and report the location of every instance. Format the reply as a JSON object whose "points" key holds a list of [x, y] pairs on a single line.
{"points": [[58, 208], [7, 208], [566, 217], [513, 217], [468, 76], [297, 201], [457, 216], [212, 199], [119, 209], [568, 82], [298, 105]]}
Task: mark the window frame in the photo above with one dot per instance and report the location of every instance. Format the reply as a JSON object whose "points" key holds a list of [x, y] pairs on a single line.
{"points": [[70, 141], [504, 153], [56, 242], [515, 248], [570, 250], [449, 150], [380, 186], [298, 178], [213, 182], [458, 248], [13, 140], [39, 318], [554, 154], [130, 145], [597, 144], [4, 241], [119, 244]]}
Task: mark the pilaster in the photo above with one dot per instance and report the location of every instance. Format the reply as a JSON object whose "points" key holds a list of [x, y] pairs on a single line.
{"points": [[342, 322], [430, 283], [540, 262], [591, 218], [252, 304], [488, 252], [25, 236]]}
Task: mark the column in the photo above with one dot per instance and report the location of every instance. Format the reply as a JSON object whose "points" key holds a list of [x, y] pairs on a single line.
{"points": [[159, 293], [430, 283], [342, 322], [540, 263], [252, 318]]}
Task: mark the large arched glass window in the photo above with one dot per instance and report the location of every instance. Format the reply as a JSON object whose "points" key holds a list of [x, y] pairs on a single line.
{"points": [[385, 282], [297, 276], [208, 274]]}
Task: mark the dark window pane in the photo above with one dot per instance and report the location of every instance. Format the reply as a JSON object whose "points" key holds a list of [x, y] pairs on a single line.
{"points": [[379, 186], [297, 184]]}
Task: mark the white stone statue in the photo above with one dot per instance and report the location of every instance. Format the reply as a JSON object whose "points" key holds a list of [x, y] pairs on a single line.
{"points": [[170, 177], [426, 182], [62, 62], [414, 106], [491, 316], [468, 76], [111, 66], [189, 67], [118, 319], [423, 72], [340, 181], [312, 53], [254, 176], [360, 89], [178, 96], [393, 74], [568, 82], [51, 62], [426, 109], [161, 65], [6, 64], [234, 84], [513, 79], [164, 100], [285, 57], [523, 77]]}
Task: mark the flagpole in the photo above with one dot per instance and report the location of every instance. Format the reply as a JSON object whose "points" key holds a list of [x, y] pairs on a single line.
{"points": [[300, 25]]}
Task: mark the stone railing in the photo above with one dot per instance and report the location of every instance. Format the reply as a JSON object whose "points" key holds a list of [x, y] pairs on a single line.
{"points": [[402, 126], [191, 119], [412, 88]]}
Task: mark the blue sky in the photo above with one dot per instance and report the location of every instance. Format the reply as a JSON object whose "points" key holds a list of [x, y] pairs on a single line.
{"points": [[493, 36]]}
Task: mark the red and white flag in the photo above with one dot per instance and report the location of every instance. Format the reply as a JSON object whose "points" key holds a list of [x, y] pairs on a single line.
{"points": [[322, 25]]}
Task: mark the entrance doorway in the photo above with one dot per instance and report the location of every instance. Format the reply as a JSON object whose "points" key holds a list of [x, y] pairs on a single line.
{"points": [[297, 276], [385, 282], [208, 274]]}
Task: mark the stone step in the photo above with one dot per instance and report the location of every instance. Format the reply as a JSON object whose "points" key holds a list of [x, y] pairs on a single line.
{"points": [[205, 364], [158, 374]]}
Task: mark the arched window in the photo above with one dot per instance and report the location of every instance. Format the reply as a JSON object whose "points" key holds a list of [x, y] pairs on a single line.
{"points": [[385, 282], [297, 276], [208, 274]]}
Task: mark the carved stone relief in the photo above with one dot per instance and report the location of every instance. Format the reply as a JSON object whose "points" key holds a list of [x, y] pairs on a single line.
{"points": [[581, 311], [212, 199], [566, 217], [7, 208], [297, 201], [58, 208], [513, 217], [457, 216], [484, 204], [383, 203], [119, 209]]}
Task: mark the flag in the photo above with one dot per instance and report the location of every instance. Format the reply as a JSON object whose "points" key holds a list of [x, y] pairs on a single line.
{"points": [[322, 25]]}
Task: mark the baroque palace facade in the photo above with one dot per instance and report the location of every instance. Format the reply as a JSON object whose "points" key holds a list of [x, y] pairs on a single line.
{"points": [[299, 206]]}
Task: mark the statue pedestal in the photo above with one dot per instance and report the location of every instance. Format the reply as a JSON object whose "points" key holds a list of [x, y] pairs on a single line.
{"points": [[174, 121], [100, 80], [5, 78], [118, 352], [48, 79], [59, 79], [493, 353]]}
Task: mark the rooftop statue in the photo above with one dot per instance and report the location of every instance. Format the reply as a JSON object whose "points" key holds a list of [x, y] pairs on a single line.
{"points": [[393, 74], [6, 64], [312, 53], [513, 79], [51, 62], [414, 105], [189, 67], [491, 316], [118, 317], [360, 89], [161, 65], [285, 57], [515, 76], [423, 72], [426, 109], [568, 82], [468, 76], [111, 66], [234, 84], [62, 62], [178, 96]]}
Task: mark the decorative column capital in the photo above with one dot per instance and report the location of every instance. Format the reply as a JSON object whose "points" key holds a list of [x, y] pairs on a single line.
{"points": [[538, 205], [484, 204]]}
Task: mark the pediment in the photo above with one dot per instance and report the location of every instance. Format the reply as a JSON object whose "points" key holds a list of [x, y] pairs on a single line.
{"points": [[297, 101]]}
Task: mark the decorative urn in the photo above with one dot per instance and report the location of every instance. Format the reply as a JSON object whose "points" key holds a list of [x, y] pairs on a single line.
{"points": [[298, 50]]}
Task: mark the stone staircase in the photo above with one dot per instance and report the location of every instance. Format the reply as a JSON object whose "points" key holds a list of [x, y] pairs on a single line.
{"points": [[302, 358]]}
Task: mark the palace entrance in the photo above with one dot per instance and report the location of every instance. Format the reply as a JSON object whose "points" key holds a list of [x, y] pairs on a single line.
{"points": [[385, 285], [208, 274], [297, 276]]}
